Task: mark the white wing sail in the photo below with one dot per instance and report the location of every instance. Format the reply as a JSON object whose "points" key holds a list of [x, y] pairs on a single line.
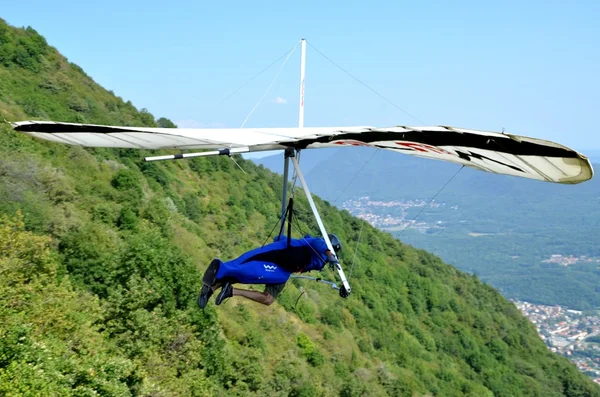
{"points": [[487, 151]]}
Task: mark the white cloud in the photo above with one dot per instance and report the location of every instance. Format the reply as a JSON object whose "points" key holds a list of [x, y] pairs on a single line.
{"points": [[280, 101]]}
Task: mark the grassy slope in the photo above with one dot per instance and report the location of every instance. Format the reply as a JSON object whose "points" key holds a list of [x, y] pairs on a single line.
{"points": [[101, 278]]}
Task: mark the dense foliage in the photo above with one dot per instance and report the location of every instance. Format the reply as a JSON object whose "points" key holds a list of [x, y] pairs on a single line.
{"points": [[101, 256]]}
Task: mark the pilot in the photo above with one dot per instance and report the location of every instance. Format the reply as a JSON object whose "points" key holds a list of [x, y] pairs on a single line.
{"points": [[271, 265]]}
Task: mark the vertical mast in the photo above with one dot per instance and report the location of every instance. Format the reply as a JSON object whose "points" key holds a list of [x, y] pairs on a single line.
{"points": [[287, 154], [302, 70], [291, 152]]}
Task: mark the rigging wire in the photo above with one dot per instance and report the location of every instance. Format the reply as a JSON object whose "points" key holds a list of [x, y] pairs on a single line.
{"points": [[271, 232], [356, 175], [355, 251], [256, 75], [381, 250], [360, 231], [304, 238], [430, 201], [295, 175], [365, 84], [271, 85], [236, 163], [378, 149]]}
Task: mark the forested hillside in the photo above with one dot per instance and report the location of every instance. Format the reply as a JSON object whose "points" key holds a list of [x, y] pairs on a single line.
{"points": [[101, 256]]}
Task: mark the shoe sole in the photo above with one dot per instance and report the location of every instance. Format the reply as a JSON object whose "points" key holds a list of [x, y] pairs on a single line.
{"points": [[210, 275], [205, 294]]}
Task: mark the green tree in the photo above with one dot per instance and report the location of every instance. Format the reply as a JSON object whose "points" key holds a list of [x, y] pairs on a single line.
{"points": [[164, 122]]}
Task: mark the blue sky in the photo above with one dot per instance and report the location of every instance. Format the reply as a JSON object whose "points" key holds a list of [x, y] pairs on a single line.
{"points": [[529, 67]]}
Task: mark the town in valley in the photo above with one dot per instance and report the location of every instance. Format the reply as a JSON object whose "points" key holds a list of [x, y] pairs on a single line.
{"points": [[392, 215], [570, 333]]}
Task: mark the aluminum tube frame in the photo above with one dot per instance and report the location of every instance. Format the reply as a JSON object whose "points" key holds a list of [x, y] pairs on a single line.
{"points": [[286, 168], [220, 152], [320, 223], [318, 280]]}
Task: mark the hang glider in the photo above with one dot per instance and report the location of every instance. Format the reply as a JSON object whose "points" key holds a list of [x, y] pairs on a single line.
{"points": [[494, 152]]}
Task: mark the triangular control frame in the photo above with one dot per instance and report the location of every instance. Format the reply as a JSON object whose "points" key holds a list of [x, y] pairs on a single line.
{"points": [[290, 154]]}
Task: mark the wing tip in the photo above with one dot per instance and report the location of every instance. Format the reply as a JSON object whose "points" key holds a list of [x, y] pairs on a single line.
{"points": [[586, 173]]}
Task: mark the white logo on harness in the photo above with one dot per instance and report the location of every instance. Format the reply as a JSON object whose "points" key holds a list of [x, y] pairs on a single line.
{"points": [[270, 268]]}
